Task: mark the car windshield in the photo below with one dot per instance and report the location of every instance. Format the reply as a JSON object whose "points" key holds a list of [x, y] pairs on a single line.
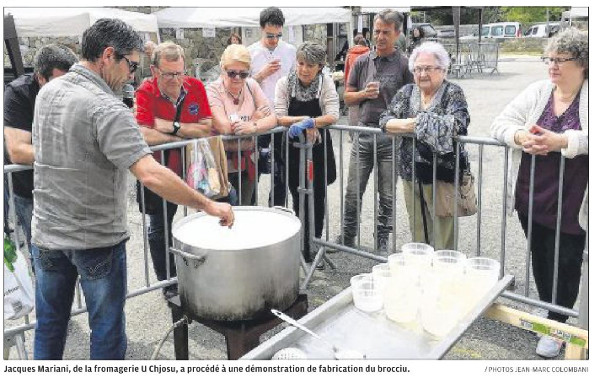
{"points": [[497, 31], [532, 31], [510, 30]]}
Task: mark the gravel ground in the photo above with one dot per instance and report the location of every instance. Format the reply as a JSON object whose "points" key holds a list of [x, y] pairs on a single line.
{"points": [[148, 317]]}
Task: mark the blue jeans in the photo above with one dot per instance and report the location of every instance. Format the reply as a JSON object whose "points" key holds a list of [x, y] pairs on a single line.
{"points": [[357, 183], [24, 211], [103, 274], [156, 239]]}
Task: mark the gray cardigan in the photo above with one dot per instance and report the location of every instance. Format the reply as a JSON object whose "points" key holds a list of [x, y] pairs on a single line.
{"points": [[522, 113]]}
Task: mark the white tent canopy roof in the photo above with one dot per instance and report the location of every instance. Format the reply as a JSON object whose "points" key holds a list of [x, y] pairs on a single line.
{"points": [[379, 9], [576, 12], [181, 18], [63, 22]]}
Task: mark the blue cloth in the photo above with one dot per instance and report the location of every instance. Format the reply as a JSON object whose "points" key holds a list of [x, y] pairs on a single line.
{"points": [[103, 274], [297, 128]]}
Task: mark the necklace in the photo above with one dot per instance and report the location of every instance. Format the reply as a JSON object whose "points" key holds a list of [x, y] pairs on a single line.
{"points": [[236, 99]]}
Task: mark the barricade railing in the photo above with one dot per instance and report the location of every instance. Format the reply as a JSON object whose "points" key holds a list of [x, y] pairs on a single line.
{"points": [[326, 243], [472, 57], [148, 284], [477, 164]]}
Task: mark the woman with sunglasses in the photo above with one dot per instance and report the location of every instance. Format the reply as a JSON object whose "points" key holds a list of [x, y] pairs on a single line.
{"points": [[547, 120], [239, 107], [307, 100]]}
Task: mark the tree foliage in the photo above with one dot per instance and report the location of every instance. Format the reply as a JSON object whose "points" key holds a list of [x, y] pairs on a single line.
{"points": [[470, 15], [528, 15]]}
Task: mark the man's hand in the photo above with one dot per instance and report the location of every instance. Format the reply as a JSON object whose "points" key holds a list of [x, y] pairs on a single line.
{"points": [[165, 127], [269, 69], [222, 210], [371, 91]]}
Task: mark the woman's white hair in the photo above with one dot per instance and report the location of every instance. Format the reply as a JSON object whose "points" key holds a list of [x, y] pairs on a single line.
{"points": [[440, 53]]}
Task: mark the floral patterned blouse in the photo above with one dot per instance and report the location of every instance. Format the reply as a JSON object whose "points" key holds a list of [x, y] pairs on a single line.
{"points": [[448, 116]]}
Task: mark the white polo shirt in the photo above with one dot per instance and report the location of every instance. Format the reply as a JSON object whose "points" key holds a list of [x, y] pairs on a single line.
{"points": [[261, 56]]}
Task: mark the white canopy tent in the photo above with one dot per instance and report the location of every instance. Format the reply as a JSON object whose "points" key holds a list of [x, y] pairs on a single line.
{"points": [[64, 22], [181, 18]]}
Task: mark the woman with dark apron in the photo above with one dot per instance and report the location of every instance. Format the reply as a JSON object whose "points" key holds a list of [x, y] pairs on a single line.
{"points": [[307, 100]]}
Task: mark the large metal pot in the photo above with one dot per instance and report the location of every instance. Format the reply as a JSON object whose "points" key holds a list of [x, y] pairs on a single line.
{"points": [[238, 273]]}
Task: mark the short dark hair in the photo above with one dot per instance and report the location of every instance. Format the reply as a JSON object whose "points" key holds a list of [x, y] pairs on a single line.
{"points": [[109, 32], [271, 15], [388, 16], [53, 56]]}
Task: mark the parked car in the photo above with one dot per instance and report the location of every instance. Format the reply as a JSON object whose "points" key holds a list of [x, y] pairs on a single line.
{"points": [[485, 33], [505, 30], [497, 30], [445, 33], [539, 30], [427, 28]]}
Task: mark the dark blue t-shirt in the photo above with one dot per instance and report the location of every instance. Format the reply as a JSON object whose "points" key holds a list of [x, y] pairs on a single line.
{"points": [[19, 102]]}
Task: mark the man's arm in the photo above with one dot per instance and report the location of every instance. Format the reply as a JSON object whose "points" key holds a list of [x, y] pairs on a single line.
{"points": [[18, 145], [188, 130], [168, 185], [352, 96], [154, 137]]}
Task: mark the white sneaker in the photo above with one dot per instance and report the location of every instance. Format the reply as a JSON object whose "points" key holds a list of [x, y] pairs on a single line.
{"points": [[548, 347]]}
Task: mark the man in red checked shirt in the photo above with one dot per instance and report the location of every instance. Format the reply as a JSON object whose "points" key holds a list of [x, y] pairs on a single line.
{"points": [[170, 107]]}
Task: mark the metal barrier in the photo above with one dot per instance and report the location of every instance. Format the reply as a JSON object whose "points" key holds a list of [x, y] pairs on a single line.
{"points": [[148, 286], [481, 143], [472, 57], [477, 160]]}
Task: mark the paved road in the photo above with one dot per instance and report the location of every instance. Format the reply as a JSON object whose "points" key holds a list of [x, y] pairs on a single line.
{"points": [[148, 317]]}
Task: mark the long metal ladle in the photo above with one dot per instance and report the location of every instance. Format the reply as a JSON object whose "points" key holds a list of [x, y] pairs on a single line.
{"points": [[339, 354]]}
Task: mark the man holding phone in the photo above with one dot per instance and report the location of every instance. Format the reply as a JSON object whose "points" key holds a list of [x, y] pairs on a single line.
{"points": [[373, 82], [272, 59]]}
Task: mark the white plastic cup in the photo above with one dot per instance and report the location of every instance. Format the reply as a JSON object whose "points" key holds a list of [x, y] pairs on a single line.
{"points": [[375, 85], [364, 294], [418, 256], [233, 118], [381, 277], [481, 274]]}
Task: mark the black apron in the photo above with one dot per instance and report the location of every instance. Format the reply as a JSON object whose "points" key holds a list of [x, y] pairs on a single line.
{"points": [[312, 109]]}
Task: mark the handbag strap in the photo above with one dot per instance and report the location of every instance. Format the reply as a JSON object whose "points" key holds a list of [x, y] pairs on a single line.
{"points": [[423, 217]]}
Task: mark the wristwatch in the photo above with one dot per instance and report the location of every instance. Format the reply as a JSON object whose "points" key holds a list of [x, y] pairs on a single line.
{"points": [[176, 127]]}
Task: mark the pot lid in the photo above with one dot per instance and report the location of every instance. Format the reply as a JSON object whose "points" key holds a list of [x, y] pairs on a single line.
{"points": [[254, 227]]}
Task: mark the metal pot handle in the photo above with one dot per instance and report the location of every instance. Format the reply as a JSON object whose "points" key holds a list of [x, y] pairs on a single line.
{"points": [[198, 260], [284, 209]]}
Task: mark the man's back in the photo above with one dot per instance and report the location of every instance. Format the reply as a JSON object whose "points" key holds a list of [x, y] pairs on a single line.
{"points": [[84, 140]]}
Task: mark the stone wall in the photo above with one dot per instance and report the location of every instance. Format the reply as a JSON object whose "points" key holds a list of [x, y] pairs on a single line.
{"points": [[202, 53]]}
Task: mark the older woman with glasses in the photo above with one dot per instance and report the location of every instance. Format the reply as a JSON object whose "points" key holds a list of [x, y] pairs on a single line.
{"points": [[548, 120], [307, 100], [435, 110], [239, 107]]}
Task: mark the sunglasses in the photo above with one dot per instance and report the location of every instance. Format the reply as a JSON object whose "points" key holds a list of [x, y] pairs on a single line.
{"points": [[274, 36], [242, 74], [133, 66]]}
